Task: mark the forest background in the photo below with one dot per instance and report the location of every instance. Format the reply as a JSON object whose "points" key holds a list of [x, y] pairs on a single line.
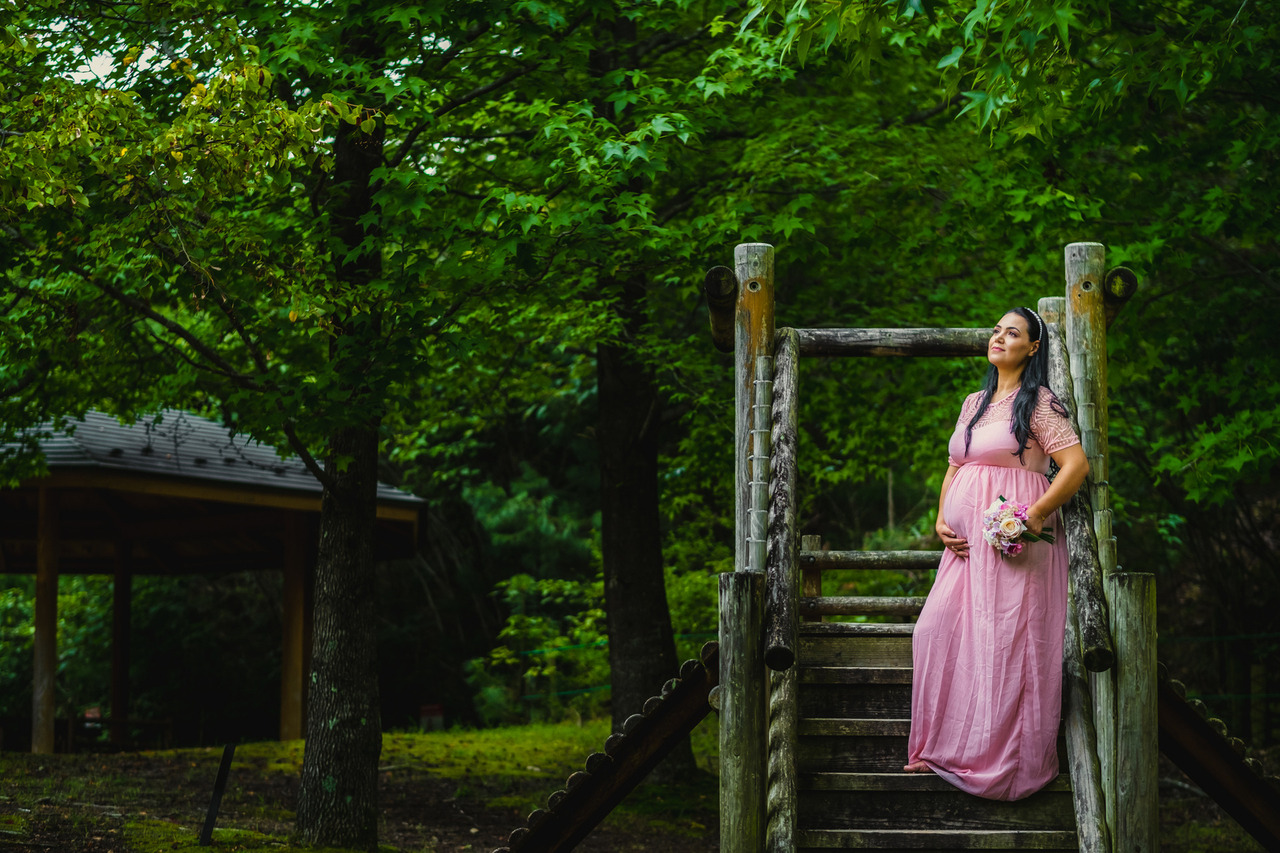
{"points": [[460, 245]]}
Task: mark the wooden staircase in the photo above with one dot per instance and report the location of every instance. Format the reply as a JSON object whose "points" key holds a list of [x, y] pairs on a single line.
{"points": [[854, 694]]}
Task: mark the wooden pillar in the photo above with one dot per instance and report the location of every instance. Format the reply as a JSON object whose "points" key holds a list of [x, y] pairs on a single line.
{"points": [[43, 695], [742, 714], [293, 663], [1133, 601], [753, 338], [1086, 329], [121, 630]]}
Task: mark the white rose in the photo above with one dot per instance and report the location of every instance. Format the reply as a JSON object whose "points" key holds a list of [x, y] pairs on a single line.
{"points": [[1011, 528]]}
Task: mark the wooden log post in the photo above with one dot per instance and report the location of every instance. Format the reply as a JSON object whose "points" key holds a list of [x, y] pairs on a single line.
{"points": [[43, 702], [121, 634], [293, 673], [1094, 633], [1082, 757], [782, 563], [1085, 326], [742, 671], [1133, 599], [742, 714], [753, 339], [810, 573], [784, 733]]}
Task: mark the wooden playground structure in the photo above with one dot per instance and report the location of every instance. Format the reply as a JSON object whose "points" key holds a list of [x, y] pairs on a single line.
{"points": [[814, 715]]}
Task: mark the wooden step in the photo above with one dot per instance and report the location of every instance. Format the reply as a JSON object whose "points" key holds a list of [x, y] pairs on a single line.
{"points": [[866, 693], [845, 727], [902, 561], [855, 675], [862, 605], [953, 810], [924, 841], [831, 644], [896, 782]]}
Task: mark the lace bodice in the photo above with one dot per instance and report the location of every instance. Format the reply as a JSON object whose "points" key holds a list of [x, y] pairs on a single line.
{"points": [[1050, 431]]}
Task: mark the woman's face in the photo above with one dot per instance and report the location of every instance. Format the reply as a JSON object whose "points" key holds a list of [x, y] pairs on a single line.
{"points": [[1010, 346]]}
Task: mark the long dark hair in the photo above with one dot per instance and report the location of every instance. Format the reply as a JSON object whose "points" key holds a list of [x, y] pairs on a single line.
{"points": [[1034, 376]]}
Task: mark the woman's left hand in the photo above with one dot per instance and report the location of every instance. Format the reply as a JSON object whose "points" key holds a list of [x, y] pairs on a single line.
{"points": [[1034, 522]]}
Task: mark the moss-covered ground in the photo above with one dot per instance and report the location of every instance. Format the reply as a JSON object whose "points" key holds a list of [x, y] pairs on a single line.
{"points": [[456, 790]]}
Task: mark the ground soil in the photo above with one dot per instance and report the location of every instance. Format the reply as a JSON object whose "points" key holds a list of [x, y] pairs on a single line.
{"points": [[81, 804]]}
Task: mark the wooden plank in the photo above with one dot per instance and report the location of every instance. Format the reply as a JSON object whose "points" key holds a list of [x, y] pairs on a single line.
{"points": [[858, 629], [782, 565], [742, 712], [954, 810], [833, 754], [930, 840], [841, 727], [810, 575], [870, 651], [919, 782], [848, 675], [894, 342], [1133, 599], [753, 337], [864, 605], [877, 560], [45, 641], [855, 700]]}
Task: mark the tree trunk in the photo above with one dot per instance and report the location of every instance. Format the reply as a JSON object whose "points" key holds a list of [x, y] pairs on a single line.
{"points": [[641, 643], [338, 797]]}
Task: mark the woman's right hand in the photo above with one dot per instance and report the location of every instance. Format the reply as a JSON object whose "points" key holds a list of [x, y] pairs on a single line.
{"points": [[952, 542]]}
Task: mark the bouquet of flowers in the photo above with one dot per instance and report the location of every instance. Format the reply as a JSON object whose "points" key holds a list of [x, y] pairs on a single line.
{"points": [[1004, 526]]}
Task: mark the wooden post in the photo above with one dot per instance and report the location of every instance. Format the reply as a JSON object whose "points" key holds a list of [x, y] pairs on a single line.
{"points": [[121, 630], [784, 728], [43, 702], [1082, 737], [1133, 601], [1085, 326], [782, 565], [293, 645], [810, 574], [753, 338], [1094, 631], [742, 714]]}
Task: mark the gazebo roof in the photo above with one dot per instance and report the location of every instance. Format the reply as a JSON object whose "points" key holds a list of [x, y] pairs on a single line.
{"points": [[176, 493], [178, 444]]}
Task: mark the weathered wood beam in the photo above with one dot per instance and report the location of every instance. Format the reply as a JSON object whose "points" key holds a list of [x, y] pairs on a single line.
{"points": [[121, 635], [782, 565], [877, 560], [1118, 287], [784, 727], [810, 574], [753, 339], [294, 618], [1094, 634], [863, 605], [889, 342], [45, 641], [742, 713], [1082, 738], [721, 287], [1133, 599]]}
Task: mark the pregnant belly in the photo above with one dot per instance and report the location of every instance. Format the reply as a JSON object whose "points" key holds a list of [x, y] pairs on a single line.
{"points": [[975, 487]]}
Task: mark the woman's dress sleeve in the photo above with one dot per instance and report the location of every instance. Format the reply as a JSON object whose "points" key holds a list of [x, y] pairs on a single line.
{"points": [[1049, 427], [967, 410]]}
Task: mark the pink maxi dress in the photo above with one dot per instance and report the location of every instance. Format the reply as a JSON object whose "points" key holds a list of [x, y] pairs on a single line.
{"points": [[987, 649]]}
